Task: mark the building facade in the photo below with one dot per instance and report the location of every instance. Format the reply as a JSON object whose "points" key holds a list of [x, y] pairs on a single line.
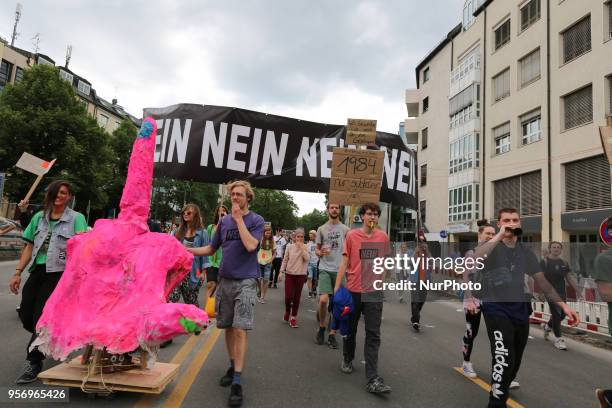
{"points": [[523, 86], [13, 62]]}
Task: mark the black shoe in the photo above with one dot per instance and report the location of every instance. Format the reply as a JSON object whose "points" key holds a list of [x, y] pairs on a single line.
{"points": [[377, 386], [30, 372], [235, 398], [227, 379], [320, 338], [416, 326], [346, 367], [165, 343], [275, 287], [269, 285], [331, 342]]}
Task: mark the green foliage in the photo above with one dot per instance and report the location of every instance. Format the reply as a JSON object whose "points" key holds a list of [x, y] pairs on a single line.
{"points": [[312, 221], [169, 197], [276, 207], [42, 116]]}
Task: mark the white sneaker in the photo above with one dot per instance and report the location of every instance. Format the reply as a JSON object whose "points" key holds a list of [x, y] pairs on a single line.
{"points": [[468, 370], [514, 385], [547, 330], [560, 343]]}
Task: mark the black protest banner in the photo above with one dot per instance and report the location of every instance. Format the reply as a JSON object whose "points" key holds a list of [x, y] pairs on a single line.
{"points": [[217, 144]]}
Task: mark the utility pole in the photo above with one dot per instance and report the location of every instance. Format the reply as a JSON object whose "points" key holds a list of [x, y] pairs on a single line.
{"points": [[17, 18]]}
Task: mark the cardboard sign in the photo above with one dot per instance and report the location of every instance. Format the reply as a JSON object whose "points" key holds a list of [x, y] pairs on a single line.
{"points": [[33, 164], [361, 132], [605, 132], [356, 176]]}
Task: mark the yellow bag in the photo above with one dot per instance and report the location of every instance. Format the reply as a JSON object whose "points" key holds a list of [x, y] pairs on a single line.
{"points": [[210, 307]]}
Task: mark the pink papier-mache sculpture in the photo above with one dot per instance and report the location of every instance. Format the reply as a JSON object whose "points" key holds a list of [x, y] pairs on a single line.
{"points": [[118, 276]]}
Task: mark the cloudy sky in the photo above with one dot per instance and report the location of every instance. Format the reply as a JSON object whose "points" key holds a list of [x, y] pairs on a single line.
{"points": [[322, 61]]}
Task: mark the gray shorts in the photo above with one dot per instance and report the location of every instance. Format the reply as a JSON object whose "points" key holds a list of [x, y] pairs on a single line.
{"points": [[235, 303]]}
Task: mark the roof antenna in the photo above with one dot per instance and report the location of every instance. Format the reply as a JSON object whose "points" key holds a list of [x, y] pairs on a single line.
{"points": [[36, 42], [68, 54], [17, 17]]}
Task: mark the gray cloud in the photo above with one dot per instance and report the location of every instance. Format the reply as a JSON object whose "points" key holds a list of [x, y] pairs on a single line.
{"points": [[249, 53]]}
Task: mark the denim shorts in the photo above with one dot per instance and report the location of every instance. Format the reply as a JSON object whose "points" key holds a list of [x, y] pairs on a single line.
{"points": [[312, 271], [265, 272]]}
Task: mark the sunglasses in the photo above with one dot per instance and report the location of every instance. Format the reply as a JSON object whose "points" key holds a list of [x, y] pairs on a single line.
{"points": [[187, 213]]}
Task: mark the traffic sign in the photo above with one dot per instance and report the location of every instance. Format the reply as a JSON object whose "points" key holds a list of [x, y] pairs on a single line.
{"points": [[443, 234]]}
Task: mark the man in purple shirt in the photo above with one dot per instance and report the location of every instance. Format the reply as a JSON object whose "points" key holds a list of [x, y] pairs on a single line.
{"points": [[239, 237]]}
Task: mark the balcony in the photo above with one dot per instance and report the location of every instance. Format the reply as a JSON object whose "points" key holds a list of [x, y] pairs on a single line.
{"points": [[411, 130], [471, 126], [412, 102], [469, 176], [464, 75]]}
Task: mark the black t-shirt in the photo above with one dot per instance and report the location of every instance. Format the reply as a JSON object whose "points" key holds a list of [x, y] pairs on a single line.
{"points": [[555, 271], [512, 300]]}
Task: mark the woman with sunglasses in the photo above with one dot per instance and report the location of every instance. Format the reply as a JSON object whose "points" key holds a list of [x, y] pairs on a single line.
{"points": [[295, 263], [191, 234], [212, 272]]}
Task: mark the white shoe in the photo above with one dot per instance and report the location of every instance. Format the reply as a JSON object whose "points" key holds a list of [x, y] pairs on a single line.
{"points": [[468, 370], [560, 343], [514, 385], [547, 330]]}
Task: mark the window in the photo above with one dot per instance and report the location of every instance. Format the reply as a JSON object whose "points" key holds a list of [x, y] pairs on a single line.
{"points": [[610, 94], [116, 125], [44, 61], [609, 7], [463, 153], [469, 8], [84, 104], [424, 138], [423, 211], [531, 125], [84, 88], [501, 85], [501, 135], [461, 203], [502, 34], [587, 184], [577, 40], [423, 175], [522, 192], [67, 76], [18, 74], [530, 13], [426, 104], [529, 68], [426, 75], [578, 107], [103, 120], [6, 69]]}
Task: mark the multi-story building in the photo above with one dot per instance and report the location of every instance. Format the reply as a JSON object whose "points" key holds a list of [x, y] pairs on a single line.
{"points": [[506, 114], [13, 61]]}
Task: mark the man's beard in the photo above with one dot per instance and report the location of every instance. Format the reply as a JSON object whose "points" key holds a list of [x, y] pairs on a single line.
{"points": [[333, 216]]}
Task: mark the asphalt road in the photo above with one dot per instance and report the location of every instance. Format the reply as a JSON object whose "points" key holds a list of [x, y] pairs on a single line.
{"points": [[285, 367]]}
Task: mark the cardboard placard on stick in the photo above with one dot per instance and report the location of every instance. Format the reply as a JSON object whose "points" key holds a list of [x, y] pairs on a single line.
{"points": [[361, 132], [34, 165], [356, 176]]}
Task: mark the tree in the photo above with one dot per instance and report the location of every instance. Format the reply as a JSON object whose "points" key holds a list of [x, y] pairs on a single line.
{"points": [[312, 221], [42, 116], [276, 207], [121, 143]]}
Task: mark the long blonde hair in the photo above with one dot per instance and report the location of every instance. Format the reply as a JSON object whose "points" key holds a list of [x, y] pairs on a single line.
{"points": [[196, 222]]}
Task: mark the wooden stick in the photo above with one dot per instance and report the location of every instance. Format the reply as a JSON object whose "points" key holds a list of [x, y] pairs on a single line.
{"points": [[37, 182]]}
